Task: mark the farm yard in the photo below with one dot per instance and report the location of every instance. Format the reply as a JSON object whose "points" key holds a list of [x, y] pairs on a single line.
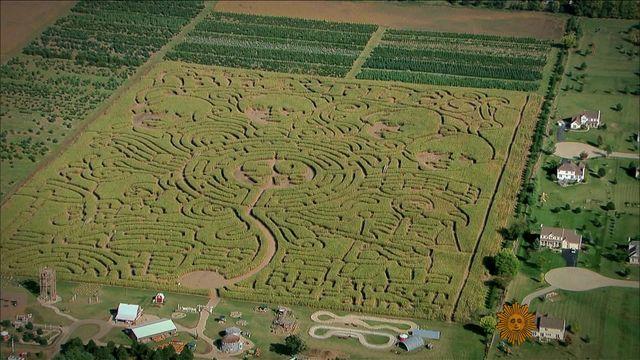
{"points": [[69, 70], [349, 194]]}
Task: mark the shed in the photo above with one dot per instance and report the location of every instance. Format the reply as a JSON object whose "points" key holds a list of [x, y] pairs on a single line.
{"points": [[232, 331], [231, 344], [128, 312], [426, 334], [412, 342], [154, 328]]}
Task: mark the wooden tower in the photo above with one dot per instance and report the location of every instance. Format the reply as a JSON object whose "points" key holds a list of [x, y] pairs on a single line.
{"points": [[48, 284]]}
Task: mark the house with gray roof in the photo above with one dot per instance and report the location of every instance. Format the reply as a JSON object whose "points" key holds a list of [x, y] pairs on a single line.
{"points": [[586, 120], [570, 172], [559, 239], [634, 252], [549, 328]]}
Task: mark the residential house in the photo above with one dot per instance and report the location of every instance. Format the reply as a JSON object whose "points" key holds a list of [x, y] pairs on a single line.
{"points": [[549, 328], [586, 120], [634, 252], [569, 171], [559, 238]]}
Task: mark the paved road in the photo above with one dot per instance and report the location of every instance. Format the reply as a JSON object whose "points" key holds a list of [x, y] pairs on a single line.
{"points": [[572, 150], [576, 279]]}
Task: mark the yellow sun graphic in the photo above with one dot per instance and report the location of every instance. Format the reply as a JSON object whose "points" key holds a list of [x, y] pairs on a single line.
{"points": [[515, 323]]}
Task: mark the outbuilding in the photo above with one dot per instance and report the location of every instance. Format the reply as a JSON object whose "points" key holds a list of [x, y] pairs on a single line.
{"points": [[232, 331], [412, 343], [157, 328], [128, 313], [426, 334], [231, 344]]}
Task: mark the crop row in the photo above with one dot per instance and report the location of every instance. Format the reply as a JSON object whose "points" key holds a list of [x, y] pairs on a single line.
{"points": [[94, 35], [274, 43], [443, 58], [444, 79]]}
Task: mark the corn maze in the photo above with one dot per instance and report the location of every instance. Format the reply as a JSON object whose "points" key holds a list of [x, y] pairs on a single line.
{"points": [[352, 195]]}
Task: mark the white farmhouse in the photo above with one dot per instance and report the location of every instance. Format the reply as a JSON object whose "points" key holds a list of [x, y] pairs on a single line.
{"points": [[549, 328], [559, 238], [634, 252], [586, 120], [570, 172]]}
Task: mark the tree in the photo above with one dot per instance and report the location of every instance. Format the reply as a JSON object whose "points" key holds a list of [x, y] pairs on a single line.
{"points": [[599, 141], [488, 324], [610, 206], [514, 231], [294, 344], [569, 41], [618, 107], [584, 155], [608, 149], [506, 263], [602, 172]]}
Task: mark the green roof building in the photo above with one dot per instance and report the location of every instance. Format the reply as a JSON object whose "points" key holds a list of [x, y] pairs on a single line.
{"points": [[145, 332]]}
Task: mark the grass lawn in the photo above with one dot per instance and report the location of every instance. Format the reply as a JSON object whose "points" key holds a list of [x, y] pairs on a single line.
{"points": [[118, 336], [111, 296], [611, 327], [612, 68], [456, 341], [605, 232], [85, 332]]}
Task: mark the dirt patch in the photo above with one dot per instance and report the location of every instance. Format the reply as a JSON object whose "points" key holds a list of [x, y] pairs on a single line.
{"points": [[318, 354], [203, 280], [434, 160], [145, 120], [12, 303], [423, 16], [20, 21], [258, 116], [377, 129]]}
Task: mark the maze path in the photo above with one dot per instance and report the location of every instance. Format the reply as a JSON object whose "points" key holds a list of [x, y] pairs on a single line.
{"points": [[350, 194]]}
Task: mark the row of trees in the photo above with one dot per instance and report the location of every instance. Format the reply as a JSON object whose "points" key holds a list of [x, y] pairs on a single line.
{"points": [[446, 80], [624, 9], [292, 22], [452, 67]]}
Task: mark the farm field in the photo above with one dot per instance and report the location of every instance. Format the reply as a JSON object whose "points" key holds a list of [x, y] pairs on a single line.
{"points": [[274, 43], [64, 74], [610, 77], [21, 20], [350, 194], [410, 15], [482, 61], [328, 48]]}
